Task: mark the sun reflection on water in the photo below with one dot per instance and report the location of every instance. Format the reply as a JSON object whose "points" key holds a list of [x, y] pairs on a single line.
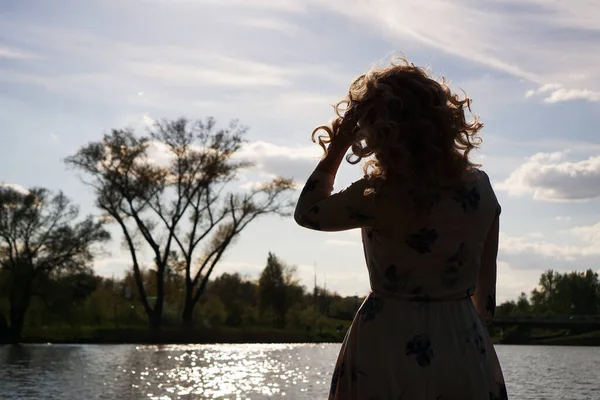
{"points": [[240, 371]]}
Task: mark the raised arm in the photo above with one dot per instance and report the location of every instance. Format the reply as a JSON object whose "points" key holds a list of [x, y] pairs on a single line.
{"points": [[318, 209]]}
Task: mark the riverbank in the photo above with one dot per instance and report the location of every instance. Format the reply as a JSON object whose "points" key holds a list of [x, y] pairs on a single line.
{"points": [[142, 335], [175, 335], [584, 339]]}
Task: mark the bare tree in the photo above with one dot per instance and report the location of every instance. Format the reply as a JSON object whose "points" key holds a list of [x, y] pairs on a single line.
{"points": [[169, 187], [40, 236]]}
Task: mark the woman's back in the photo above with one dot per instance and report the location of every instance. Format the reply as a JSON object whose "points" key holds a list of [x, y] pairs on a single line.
{"points": [[437, 255], [418, 333], [431, 253]]}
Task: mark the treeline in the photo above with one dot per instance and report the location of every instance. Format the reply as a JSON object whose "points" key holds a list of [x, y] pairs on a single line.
{"points": [[571, 293], [274, 300], [171, 193]]}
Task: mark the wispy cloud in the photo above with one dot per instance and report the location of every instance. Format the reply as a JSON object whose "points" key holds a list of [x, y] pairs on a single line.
{"points": [[479, 32], [561, 218], [273, 24], [555, 93], [215, 70], [6, 52], [280, 5]]}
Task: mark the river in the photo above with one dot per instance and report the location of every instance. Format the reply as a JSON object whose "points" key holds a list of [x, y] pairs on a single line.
{"points": [[252, 371]]}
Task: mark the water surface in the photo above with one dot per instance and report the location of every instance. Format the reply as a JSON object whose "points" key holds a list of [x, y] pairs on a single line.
{"points": [[252, 371]]}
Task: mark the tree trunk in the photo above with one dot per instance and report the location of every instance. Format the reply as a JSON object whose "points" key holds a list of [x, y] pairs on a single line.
{"points": [[187, 316], [20, 298], [155, 320], [3, 330]]}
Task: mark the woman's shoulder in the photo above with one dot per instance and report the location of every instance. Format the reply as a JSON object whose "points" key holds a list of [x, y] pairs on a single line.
{"points": [[474, 175]]}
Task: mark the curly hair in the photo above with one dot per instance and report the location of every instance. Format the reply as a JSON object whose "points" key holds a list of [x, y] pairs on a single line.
{"points": [[412, 127]]}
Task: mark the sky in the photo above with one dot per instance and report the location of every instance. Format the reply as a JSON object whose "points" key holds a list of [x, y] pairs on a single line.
{"points": [[72, 70]]}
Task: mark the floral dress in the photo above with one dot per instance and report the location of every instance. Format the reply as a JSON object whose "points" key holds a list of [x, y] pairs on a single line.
{"points": [[420, 334]]}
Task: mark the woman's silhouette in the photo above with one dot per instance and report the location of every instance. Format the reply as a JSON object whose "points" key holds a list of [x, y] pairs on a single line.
{"points": [[429, 222]]}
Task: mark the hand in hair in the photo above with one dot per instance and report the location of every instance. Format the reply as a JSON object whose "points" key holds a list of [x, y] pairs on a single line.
{"points": [[344, 133], [340, 135]]}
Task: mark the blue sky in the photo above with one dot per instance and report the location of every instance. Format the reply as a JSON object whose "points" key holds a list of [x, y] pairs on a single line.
{"points": [[70, 70]]}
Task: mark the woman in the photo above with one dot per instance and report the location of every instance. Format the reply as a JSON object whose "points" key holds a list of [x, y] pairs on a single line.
{"points": [[429, 222]]}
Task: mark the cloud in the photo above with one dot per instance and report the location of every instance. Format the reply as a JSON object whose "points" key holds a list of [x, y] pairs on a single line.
{"points": [[182, 76], [15, 187], [523, 245], [561, 218], [563, 47], [555, 93], [215, 70], [119, 266], [272, 159], [549, 177], [147, 120], [6, 52], [269, 159], [511, 281], [591, 234], [338, 242], [576, 248], [272, 24], [280, 5]]}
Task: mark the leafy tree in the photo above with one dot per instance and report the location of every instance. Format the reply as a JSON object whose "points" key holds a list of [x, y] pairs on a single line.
{"points": [[212, 311], [522, 306], [168, 187], [272, 289], [236, 294], [63, 295], [569, 293], [344, 307], [41, 238], [506, 309]]}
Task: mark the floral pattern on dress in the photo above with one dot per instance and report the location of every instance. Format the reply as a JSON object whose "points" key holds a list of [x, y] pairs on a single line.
{"points": [[369, 310], [358, 215], [396, 282], [414, 266], [453, 266], [475, 337], [420, 347], [422, 241], [468, 199]]}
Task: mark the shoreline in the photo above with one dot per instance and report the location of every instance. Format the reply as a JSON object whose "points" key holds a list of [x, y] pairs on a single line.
{"points": [[143, 336]]}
